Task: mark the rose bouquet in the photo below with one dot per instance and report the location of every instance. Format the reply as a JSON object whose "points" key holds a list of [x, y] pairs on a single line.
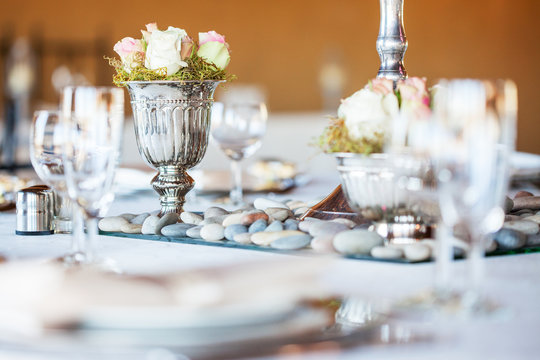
{"points": [[171, 55], [364, 119]]}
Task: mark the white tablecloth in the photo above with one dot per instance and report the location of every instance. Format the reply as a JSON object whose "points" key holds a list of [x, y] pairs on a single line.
{"points": [[514, 281]]}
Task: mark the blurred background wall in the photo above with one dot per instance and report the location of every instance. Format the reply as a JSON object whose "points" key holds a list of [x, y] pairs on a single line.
{"points": [[293, 49]]}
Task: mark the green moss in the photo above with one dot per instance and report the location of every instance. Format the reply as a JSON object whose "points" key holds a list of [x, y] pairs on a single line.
{"points": [[335, 138], [198, 69]]}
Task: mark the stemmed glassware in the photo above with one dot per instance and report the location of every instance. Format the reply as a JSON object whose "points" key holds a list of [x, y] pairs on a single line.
{"points": [[475, 136], [46, 146], [238, 129], [468, 142], [93, 118]]}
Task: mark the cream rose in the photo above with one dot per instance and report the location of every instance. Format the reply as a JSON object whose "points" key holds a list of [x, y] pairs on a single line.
{"points": [[368, 113], [163, 50]]}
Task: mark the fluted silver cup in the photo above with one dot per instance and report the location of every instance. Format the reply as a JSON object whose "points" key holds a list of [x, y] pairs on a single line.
{"points": [[172, 125]]}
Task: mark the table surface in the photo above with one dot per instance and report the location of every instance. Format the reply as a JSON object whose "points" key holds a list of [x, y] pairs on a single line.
{"points": [[513, 281]]}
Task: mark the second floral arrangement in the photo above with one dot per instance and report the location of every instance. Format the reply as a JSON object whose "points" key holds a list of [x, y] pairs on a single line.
{"points": [[171, 55], [364, 118]]}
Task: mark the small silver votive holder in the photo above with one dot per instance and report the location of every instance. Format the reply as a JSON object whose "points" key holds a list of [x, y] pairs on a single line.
{"points": [[35, 211]]}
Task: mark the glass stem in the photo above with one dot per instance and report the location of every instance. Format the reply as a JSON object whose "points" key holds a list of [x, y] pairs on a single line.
{"points": [[91, 236], [443, 260], [236, 191], [475, 263], [77, 229]]}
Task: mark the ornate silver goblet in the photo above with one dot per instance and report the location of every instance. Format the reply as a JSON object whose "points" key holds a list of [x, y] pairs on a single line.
{"points": [[172, 125]]}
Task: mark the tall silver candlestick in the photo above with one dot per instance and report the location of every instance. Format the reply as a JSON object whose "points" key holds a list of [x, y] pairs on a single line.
{"points": [[392, 42]]}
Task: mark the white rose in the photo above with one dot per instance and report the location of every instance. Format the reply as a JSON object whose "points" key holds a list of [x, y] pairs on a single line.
{"points": [[163, 50], [367, 113]]}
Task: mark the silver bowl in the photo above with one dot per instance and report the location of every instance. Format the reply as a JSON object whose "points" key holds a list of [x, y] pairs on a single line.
{"points": [[391, 191]]}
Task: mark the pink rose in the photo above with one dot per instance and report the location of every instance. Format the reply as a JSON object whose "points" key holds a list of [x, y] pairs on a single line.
{"points": [[414, 96], [131, 52], [127, 46], [214, 49], [381, 86], [210, 36]]}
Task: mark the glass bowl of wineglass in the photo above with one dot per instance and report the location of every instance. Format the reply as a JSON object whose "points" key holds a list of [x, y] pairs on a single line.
{"points": [[238, 129]]}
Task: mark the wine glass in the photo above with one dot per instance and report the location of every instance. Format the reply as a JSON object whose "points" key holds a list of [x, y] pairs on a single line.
{"points": [[46, 146], [93, 118], [475, 123], [238, 129]]}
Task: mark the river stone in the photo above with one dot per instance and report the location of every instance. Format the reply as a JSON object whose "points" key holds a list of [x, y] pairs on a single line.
{"points": [[212, 232], [112, 223], [191, 218], [167, 219], [533, 218], [327, 228], [306, 224], [263, 203], [214, 211], [357, 241], [512, 217], [508, 205], [257, 226], [533, 240], [349, 223], [278, 214], [523, 194], [139, 219], [490, 245], [323, 244], [194, 232], [232, 230], [128, 216], [265, 238], [274, 226], [130, 228], [525, 226], [386, 252], [300, 211], [177, 230], [417, 252], [294, 242], [290, 224], [295, 204], [510, 239], [149, 225], [251, 216], [214, 220], [363, 226], [243, 238], [233, 219], [527, 202]]}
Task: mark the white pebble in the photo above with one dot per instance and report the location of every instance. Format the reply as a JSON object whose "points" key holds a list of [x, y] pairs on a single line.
{"points": [[188, 217], [417, 252], [233, 219], [112, 223], [263, 203], [212, 232], [386, 252]]}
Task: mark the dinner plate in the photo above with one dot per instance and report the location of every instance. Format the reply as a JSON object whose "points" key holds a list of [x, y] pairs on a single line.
{"points": [[305, 324]]}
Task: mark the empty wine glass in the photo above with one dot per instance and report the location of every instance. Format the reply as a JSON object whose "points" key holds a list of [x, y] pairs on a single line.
{"points": [[93, 117], [46, 146], [238, 129], [475, 134]]}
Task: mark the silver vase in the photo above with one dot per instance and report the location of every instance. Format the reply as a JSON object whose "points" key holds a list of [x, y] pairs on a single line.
{"points": [[172, 125]]}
